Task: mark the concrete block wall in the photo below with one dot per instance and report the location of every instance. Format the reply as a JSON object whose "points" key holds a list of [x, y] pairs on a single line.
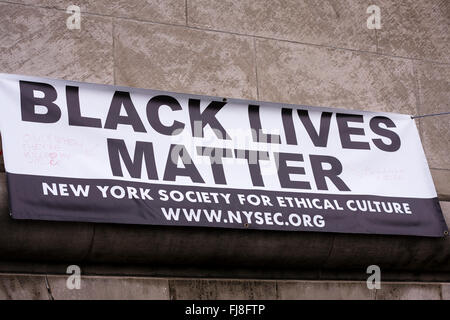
{"points": [[291, 51]]}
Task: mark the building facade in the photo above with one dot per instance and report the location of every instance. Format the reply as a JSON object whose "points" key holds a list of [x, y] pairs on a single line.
{"points": [[330, 53]]}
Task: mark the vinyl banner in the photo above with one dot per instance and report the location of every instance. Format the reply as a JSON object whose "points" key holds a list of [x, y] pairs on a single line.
{"points": [[99, 153]]}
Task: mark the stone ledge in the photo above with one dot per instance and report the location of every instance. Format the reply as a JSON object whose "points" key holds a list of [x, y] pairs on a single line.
{"points": [[27, 286]]}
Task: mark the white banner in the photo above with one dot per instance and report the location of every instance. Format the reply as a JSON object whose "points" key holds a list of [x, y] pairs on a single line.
{"points": [[160, 156]]}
